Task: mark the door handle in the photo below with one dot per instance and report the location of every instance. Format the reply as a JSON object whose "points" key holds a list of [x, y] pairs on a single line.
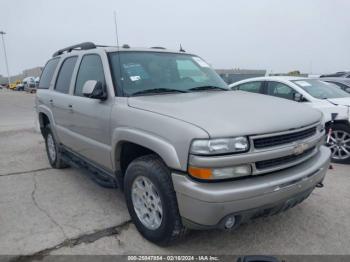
{"points": [[51, 101], [70, 106]]}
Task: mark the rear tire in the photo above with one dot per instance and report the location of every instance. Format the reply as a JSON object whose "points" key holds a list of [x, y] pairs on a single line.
{"points": [[340, 143], [151, 200], [53, 151]]}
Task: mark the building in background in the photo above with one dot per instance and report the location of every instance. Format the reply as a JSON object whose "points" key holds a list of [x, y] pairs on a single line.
{"points": [[291, 73], [35, 72], [233, 75]]}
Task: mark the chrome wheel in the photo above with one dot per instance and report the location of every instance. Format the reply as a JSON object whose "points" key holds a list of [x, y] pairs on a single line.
{"points": [[147, 203], [51, 147], [339, 144]]}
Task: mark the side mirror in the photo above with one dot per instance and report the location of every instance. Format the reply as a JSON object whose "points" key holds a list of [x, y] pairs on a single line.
{"points": [[94, 89], [347, 89], [298, 97]]}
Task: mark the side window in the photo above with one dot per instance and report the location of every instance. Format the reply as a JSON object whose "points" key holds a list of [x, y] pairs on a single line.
{"points": [[65, 75], [91, 68], [280, 90], [254, 87], [47, 74]]}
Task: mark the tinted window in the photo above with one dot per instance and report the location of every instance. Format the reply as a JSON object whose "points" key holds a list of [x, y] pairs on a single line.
{"points": [[65, 75], [280, 90], [253, 87], [90, 69], [47, 74]]}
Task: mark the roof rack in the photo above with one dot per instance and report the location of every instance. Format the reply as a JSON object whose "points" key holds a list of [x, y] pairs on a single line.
{"points": [[81, 46], [158, 47]]}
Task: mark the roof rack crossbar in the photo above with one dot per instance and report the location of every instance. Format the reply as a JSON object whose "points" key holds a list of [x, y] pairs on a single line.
{"points": [[81, 46]]}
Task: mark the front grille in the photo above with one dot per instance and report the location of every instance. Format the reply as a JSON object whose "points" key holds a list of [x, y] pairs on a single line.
{"points": [[283, 139], [282, 160]]}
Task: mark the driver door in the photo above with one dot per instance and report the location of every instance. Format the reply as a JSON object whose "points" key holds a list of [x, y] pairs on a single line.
{"points": [[90, 118]]}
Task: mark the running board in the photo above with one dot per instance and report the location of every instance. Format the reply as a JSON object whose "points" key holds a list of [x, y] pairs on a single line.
{"points": [[98, 175]]}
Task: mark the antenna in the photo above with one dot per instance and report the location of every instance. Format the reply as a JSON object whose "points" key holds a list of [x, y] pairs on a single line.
{"points": [[118, 48], [116, 27], [181, 49]]}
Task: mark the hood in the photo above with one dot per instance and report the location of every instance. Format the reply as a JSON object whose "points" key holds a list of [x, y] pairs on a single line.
{"points": [[344, 101], [230, 113]]}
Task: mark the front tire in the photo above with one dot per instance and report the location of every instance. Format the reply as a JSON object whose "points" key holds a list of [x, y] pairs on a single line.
{"points": [[339, 143], [151, 200], [52, 149]]}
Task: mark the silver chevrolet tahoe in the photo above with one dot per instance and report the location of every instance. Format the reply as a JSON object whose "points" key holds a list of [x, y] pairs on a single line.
{"points": [[163, 127]]}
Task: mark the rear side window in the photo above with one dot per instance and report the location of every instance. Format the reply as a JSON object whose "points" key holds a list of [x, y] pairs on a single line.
{"points": [[47, 74], [280, 90], [254, 87], [91, 68], [65, 75]]}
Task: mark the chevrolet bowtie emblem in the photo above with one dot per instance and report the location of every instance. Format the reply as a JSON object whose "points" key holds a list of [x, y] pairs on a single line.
{"points": [[300, 148]]}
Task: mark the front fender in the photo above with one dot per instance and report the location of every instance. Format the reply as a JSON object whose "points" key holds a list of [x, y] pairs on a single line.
{"points": [[148, 140]]}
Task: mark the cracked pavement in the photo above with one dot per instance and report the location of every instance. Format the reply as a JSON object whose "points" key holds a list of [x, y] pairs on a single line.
{"points": [[46, 211]]}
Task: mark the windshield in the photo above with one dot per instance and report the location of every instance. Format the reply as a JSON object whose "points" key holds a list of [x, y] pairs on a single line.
{"points": [[143, 73], [320, 89]]}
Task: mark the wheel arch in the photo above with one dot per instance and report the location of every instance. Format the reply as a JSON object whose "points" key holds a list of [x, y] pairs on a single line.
{"points": [[139, 143], [342, 121]]}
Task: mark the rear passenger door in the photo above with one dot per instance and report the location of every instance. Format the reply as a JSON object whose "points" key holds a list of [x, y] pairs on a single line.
{"points": [[89, 119], [253, 87], [60, 98]]}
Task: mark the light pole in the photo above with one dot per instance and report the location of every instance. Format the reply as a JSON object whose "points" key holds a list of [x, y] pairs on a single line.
{"points": [[2, 33]]}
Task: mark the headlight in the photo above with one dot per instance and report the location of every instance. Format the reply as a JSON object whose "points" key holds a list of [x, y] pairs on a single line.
{"points": [[219, 146], [321, 125], [220, 173]]}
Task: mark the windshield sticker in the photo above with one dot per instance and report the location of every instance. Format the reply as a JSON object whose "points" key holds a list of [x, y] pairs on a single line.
{"points": [[135, 71], [135, 78], [303, 83], [200, 62]]}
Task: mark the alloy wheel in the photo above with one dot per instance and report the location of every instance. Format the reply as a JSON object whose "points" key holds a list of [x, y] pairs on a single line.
{"points": [[147, 203]]}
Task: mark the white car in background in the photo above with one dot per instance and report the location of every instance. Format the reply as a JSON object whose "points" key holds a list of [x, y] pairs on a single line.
{"points": [[29, 84], [333, 102]]}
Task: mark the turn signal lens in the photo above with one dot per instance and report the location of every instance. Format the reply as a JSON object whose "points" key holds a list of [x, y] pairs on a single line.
{"points": [[220, 173], [201, 173]]}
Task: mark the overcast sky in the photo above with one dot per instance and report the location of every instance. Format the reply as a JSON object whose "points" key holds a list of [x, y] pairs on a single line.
{"points": [[311, 36]]}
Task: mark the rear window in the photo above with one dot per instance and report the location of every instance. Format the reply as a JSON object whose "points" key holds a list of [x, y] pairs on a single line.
{"points": [[47, 74], [65, 75]]}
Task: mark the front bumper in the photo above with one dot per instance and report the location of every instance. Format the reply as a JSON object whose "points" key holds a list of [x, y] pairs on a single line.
{"points": [[205, 205]]}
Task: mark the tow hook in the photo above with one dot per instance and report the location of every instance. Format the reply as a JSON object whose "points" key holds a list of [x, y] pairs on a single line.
{"points": [[319, 185]]}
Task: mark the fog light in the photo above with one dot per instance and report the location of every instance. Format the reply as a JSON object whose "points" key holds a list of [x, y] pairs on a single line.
{"points": [[230, 222]]}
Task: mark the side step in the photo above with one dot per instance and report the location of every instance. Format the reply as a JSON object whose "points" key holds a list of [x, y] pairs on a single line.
{"points": [[98, 175]]}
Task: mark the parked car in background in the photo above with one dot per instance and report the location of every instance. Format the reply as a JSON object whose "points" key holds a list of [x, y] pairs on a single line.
{"points": [[20, 87], [13, 85], [37, 80], [344, 74], [326, 97], [343, 83], [165, 128], [29, 84]]}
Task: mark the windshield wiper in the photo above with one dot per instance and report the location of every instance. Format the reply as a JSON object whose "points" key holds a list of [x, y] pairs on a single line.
{"points": [[158, 91], [204, 88]]}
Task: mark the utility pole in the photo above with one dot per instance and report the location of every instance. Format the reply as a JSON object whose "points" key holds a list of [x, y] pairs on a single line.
{"points": [[2, 33]]}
